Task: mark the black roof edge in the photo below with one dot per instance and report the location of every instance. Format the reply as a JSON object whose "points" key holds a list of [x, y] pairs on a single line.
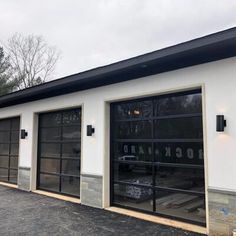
{"points": [[209, 48]]}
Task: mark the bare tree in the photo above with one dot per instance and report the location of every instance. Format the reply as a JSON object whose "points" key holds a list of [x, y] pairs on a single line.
{"points": [[32, 60]]}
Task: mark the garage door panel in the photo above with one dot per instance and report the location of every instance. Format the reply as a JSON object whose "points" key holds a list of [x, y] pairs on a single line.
{"points": [[70, 185], [157, 144], [9, 148], [59, 151], [49, 182], [4, 161], [14, 162]]}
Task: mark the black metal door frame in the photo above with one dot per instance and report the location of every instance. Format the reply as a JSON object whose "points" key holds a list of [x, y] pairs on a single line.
{"points": [[10, 142], [60, 158], [156, 165]]}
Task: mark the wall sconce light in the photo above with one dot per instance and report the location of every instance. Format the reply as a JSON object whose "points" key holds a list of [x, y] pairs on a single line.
{"points": [[23, 134], [90, 130], [220, 123]]}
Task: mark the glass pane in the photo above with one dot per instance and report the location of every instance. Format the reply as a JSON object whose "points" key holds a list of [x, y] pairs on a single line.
{"points": [[5, 124], [14, 149], [50, 134], [133, 196], [4, 161], [181, 178], [133, 151], [50, 150], [3, 174], [185, 128], [184, 153], [50, 119], [72, 116], [50, 165], [186, 206], [176, 104], [4, 149], [4, 137], [14, 162], [131, 110], [71, 167], [71, 133], [133, 174], [50, 182], [131, 130], [71, 150], [15, 136], [15, 123], [13, 176], [70, 185]]}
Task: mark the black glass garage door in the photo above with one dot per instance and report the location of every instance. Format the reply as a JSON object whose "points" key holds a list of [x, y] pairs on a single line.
{"points": [[9, 149], [157, 163], [59, 151]]}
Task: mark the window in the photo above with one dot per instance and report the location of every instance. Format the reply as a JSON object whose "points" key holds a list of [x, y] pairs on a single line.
{"points": [[157, 158]]}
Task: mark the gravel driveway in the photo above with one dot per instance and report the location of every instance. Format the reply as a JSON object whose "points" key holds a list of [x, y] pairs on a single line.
{"points": [[23, 213]]}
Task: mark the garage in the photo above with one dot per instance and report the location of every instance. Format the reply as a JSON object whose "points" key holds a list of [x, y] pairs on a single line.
{"points": [[157, 160], [59, 152], [9, 149]]}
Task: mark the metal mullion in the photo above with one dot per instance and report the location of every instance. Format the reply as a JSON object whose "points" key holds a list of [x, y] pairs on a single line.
{"points": [[2, 167], [153, 161], [175, 190], [61, 141], [9, 161], [181, 140], [70, 175], [146, 163], [179, 165], [190, 115], [50, 173], [58, 126], [160, 117], [132, 184], [61, 138]]}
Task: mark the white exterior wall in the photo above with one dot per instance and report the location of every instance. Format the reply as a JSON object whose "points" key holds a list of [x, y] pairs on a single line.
{"points": [[218, 82]]}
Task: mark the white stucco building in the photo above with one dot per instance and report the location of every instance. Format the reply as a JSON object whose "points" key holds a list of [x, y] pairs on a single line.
{"points": [[154, 148]]}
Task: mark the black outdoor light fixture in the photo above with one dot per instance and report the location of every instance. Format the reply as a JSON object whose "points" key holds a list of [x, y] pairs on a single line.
{"points": [[90, 130], [23, 134], [220, 123]]}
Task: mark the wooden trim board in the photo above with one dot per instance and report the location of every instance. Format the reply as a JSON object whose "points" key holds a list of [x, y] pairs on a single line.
{"points": [[58, 196], [159, 220], [9, 185]]}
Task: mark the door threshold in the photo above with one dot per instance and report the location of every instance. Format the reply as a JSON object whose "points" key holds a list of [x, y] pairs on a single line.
{"points": [[9, 185], [159, 220], [58, 196]]}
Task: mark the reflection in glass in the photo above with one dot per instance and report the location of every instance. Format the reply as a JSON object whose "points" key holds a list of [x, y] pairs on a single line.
{"points": [[179, 128], [133, 173], [135, 129], [70, 185], [125, 151], [139, 109], [50, 119], [178, 104], [49, 182], [3, 174], [50, 165], [133, 196], [182, 205], [50, 149]]}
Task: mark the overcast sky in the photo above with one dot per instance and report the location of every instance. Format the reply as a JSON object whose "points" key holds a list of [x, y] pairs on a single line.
{"points": [[91, 33]]}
